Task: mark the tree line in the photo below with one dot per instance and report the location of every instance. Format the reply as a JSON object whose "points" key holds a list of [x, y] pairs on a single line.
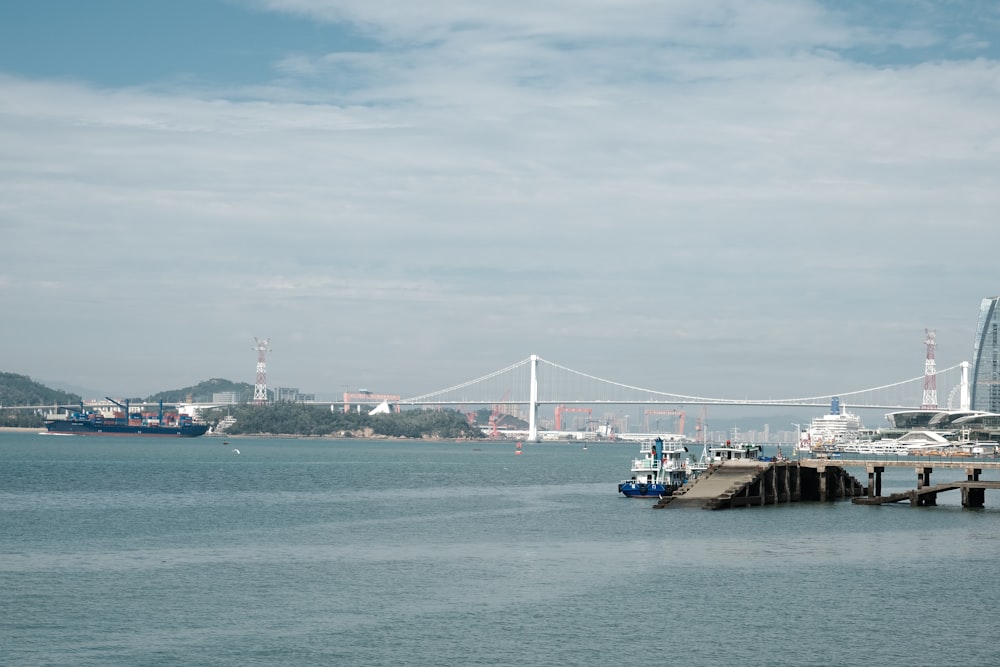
{"points": [[313, 420]]}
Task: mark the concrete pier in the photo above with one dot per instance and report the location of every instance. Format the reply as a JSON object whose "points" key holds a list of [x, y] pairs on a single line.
{"points": [[746, 483], [739, 483]]}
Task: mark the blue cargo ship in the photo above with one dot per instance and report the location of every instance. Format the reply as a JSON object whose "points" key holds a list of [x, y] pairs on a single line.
{"points": [[124, 423]]}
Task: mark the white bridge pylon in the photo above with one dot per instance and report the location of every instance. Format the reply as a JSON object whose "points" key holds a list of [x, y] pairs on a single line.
{"points": [[535, 381]]}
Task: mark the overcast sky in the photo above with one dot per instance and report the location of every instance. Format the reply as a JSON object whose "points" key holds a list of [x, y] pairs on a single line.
{"points": [[715, 198]]}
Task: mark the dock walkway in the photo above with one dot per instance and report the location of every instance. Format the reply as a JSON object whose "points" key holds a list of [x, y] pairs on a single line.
{"points": [[744, 483]]}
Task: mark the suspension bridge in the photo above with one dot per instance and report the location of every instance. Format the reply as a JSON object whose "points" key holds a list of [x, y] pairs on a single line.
{"points": [[535, 381]]}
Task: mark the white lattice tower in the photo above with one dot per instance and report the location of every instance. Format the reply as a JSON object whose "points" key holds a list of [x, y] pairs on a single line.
{"points": [[930, 401], [260, 386]]}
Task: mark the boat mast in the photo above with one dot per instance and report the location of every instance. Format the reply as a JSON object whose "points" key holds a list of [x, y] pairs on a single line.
{"points": [[123, 407]]}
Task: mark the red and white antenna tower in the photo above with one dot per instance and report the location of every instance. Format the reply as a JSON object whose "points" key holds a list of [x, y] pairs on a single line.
{"points": [[260, 386], [930, 374]]}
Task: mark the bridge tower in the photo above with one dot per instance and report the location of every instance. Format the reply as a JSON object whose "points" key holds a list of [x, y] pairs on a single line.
{"points": [[930, 401], [533, 401], [260, 386]]}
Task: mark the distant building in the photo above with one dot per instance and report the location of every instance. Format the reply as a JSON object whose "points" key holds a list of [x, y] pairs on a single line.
{"points": [[226, 397], [985, 390], [291, 395], [285, 394]]}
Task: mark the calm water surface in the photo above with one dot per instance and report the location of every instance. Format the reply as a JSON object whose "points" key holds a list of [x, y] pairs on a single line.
{"points": [[337, 552]]}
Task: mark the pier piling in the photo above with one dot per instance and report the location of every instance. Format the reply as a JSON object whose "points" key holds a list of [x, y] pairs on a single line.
{"points": [[875, 480], [973, 496], [973, 488]]}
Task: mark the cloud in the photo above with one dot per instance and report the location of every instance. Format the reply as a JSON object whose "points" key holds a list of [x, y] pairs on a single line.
{"points": [[481, 182]]}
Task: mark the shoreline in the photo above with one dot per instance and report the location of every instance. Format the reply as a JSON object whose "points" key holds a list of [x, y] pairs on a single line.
{"points": [[289, 436]]}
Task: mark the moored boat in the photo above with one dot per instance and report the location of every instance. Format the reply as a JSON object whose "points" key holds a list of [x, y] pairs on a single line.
{"points": [[839, 430], [733, 452], [124, 423], [658, 471]]}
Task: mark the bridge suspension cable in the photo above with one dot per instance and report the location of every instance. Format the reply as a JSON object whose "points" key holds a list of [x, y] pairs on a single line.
{"points": [[558, 384], [424, 398]]}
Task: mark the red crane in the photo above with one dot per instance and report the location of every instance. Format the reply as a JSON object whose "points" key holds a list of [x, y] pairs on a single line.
{"points": [[498, 413], [560, 409], [679, 413], [700, 426]]}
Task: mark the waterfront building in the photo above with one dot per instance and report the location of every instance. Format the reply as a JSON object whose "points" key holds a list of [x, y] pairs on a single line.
{"points": [[985, 390], [955, 427], [226, 397]]}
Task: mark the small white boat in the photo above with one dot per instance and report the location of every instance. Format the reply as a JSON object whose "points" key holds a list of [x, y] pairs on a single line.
{"points": [[733, 452]]}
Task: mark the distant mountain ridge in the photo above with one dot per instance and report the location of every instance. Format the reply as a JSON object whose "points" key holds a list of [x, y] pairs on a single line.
{"points": [[16, 389]]}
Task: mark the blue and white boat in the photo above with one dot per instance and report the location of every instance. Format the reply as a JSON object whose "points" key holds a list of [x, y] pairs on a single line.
{"points": [[658, 471]]}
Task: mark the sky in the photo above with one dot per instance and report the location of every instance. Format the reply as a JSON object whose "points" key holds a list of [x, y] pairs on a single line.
{"points": [[705, 197]]}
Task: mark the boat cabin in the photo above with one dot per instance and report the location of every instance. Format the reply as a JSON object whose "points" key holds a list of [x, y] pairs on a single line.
{"points": [[659, 469], [733, 452]]}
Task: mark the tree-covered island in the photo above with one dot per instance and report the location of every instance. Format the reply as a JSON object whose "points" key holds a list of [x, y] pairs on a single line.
{"points": [[280, 418]]}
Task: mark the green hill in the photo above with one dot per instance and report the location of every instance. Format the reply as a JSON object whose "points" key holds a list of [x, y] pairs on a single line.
{"points": [[315, 420], [22, 390], [202, 392]]}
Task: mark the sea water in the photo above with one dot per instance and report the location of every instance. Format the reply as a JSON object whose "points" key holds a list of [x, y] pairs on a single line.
{"points": [[124, 551]]}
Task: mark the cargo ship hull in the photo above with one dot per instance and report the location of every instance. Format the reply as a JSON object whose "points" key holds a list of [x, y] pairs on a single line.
{"points": [[73, 427], [126, 423]]}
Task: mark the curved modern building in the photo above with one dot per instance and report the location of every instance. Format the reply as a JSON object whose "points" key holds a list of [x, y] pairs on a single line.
{"points": [[985, 390]]}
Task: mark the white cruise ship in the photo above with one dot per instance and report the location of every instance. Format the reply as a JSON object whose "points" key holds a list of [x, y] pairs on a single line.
{"points": [[838, 430]]}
